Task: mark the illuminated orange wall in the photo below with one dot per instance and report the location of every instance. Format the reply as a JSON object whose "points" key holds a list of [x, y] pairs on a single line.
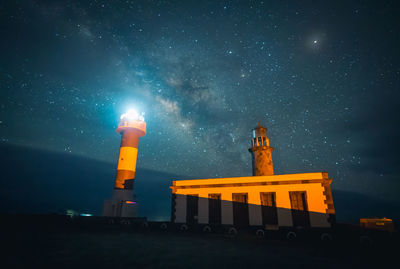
{"points": [[316, 186]]}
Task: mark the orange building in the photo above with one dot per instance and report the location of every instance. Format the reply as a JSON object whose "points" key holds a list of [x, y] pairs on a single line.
{"points": [[264, 199]]}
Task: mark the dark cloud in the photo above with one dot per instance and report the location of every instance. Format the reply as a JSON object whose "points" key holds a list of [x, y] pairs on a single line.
{"points": [[52, 182], [377, 131]]}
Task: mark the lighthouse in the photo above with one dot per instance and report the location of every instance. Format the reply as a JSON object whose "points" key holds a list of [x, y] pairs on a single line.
{"points": [[264, 200], [261, 152], [123, 204]]}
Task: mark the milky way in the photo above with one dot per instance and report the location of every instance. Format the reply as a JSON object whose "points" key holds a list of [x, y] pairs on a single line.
{"points": [[322, 77]]}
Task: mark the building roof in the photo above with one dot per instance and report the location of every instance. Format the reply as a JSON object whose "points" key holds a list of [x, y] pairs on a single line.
{"points": [[259, 180]]}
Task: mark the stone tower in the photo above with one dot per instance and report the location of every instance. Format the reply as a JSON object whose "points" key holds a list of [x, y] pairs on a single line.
{"points": [[261, 152]]}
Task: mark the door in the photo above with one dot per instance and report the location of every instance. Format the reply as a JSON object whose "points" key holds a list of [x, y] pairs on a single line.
{"points": [[240, 209], [300, 215], [214, 208], [268, 208], [192, 208]]}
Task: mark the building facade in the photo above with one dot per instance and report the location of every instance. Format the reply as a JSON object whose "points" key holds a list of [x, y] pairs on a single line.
{"points": [[264, 199]]}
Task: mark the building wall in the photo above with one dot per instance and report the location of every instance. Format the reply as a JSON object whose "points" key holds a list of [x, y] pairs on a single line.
{"points": [[316, 200], [180, 209]]}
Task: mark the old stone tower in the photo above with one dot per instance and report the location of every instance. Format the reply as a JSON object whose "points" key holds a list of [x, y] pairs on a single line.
{"points": [[261, 152]]}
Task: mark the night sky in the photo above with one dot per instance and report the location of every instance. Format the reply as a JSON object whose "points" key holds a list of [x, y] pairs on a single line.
{"points": [[323, 77]]}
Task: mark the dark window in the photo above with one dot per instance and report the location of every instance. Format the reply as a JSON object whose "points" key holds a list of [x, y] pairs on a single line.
{"points": [[173, 205], [268, 208], [214, 208], [300, 215], [192, 208], [240, 209]]}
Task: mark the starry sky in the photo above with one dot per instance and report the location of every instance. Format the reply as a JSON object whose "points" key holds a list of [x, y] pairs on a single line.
{"points": [[323, 77]]}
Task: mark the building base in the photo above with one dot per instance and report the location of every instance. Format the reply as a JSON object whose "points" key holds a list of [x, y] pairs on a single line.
{"points": [[122, 204]]}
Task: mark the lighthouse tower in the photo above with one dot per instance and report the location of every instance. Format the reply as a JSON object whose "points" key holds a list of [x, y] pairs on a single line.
{"points": [[261, 152], [131, 127]]}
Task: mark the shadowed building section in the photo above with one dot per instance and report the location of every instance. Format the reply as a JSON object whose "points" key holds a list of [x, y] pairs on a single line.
{"points": [[265, 199], [299, 200], [123, 204]]}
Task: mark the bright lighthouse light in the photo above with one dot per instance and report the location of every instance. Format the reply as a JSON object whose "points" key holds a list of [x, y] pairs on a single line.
{"points": [[132, 115]]}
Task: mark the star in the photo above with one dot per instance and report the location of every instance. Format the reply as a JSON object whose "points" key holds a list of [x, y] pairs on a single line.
{"points": [[237, 66]]}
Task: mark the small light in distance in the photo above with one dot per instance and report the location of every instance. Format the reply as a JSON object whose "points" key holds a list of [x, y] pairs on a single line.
{"points": [[130, 202]]}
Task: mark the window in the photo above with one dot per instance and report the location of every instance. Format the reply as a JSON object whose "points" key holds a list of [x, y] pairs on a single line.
{"points": [[240, 209], [239, 197], [298, 200], [216, 196], [214, 208], [192, 208], [268, 199], [268, 208], [300, 215]]}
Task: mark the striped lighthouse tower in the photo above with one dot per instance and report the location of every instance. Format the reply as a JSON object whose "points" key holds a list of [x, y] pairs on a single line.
{"points": [[131, 127]]}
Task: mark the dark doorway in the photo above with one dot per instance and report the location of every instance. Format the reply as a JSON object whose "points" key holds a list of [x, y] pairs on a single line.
{"points": [[300, 215], [214, 208], [268, 208], [192, 208], [173, 205], [240, 209]]}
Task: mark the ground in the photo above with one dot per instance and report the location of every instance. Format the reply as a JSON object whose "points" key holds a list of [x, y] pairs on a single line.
{"points": [[33, 246]]}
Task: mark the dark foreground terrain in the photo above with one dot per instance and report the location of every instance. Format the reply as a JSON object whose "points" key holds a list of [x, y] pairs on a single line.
{"points": [[50, 241]]}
